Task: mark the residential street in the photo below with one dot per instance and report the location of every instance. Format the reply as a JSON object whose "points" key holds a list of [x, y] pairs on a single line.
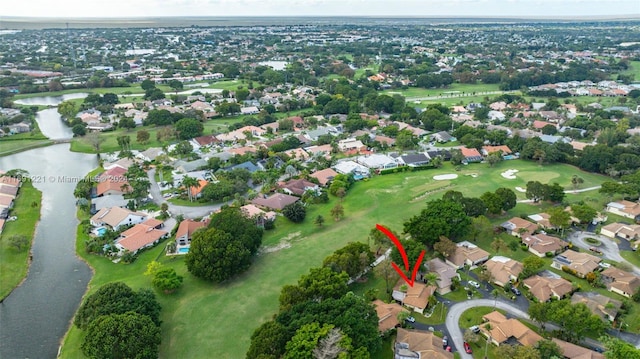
{"points": [[456, 310], [609, 248], [186, 211]]}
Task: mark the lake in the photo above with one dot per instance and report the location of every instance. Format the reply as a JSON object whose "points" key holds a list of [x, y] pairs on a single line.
{"points": [[37, 314]]}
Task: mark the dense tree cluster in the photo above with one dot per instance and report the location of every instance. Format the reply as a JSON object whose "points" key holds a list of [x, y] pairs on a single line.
{"points": [[440, 218], [353, 259], [574, 320], [224, 249], [120, 323], [319, 317], [537, 191]]}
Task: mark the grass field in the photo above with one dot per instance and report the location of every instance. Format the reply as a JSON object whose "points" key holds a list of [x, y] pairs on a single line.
{"points": [[634, 69], [111, 138], [218, 125], [135, 89], [14, 263], [454, 89], [200, 317], [11, 147], [23, 141]]}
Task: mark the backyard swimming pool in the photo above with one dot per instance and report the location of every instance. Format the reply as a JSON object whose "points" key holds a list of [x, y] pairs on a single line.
{"points": [[183, 250]]}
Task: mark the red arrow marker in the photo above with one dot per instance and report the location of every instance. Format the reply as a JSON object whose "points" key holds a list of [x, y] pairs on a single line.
{"points": [[403, 253]]}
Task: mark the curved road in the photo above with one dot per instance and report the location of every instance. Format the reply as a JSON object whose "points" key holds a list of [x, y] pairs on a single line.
{"points": [[186, 211], [609, 248], [456, 310]]}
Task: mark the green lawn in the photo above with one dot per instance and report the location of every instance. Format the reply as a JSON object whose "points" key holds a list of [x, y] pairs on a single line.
{"points": [[451, 101], [23, 141], [213, 126], [11, 147], [386, 350], [199, 319], [134, 89], [453, 89], [474, 316], [14, 263], [634, 69]]}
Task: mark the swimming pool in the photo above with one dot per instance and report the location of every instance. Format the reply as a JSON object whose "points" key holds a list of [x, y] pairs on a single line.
{"points": [[183, 250], [101, 231]]}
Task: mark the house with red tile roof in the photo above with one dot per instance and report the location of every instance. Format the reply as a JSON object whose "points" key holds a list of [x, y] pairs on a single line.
{"points": [[625, 209], [538, 125], [277, 201], [298, 186], [487, 150], [416, 297], [419, 344], [540, 244], [544, 288], [387, 314], [621, 282], [324, 176], [471, 154], [186, 229], [503, 270], [196, 191], [140, 236], [116, 217], [519, 227], [502, 329]]}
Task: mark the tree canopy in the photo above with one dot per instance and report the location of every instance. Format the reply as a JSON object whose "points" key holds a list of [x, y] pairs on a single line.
{"points": [[440, 218], [117, 298], [320, 284], [122, 336], [353, 259], [217, 255]]}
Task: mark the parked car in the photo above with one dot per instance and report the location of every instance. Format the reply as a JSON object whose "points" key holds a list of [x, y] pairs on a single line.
{"points": [[449, 349], [473, 283], [445, 341], [411, 319], [515, 291], [475, 329], [467, 348], [595, 250]]}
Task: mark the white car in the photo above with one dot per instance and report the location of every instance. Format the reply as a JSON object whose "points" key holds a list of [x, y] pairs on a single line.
{"points": [[411, 319], [473, 283]]}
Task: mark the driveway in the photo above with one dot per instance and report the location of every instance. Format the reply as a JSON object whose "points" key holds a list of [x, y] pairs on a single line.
{"points": [[609, 248], [186, 211]]}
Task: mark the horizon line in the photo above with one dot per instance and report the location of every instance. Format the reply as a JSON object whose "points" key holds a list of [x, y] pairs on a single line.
{"points": [[556, 17]]}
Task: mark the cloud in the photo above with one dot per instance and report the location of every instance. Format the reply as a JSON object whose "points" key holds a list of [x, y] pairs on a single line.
{"points": [[131, 8]]}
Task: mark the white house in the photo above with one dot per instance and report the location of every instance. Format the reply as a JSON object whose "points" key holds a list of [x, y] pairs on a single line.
{"points": [[116, 217]]}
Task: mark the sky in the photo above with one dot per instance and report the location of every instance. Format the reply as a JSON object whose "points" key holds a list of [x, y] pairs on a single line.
{"points": [[420, 8]]}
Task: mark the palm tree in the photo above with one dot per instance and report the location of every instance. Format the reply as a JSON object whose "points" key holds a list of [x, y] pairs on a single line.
{"points": [[430, 279], [495, 295], [188, 183], [488, 328]]}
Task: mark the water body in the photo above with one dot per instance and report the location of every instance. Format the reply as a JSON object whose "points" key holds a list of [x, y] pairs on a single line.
{"points": [[276, 65], [50, 100], [37, 314], [52, 126]]}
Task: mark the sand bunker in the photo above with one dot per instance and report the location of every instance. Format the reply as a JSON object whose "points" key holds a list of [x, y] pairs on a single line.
{"points": [[520, 189], [445, 177], [509, 174]]}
